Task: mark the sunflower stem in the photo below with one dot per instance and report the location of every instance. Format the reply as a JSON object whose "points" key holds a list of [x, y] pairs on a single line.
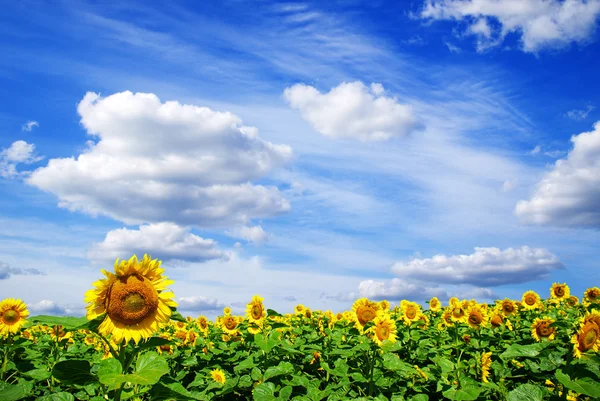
{"points": [[5, 362]]}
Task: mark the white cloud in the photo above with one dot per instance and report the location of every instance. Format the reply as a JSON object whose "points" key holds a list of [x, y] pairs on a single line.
{"points": [[18, 152], [535, 150], [453, 48], [29, 125], [397, 289], [353, 110], [199, 303], [541, 23], [255, 234], [484, 267], [47, 307], [569, 194], [159, 162], [579, 115], [6, 271], [165, 241], [509, 185]]}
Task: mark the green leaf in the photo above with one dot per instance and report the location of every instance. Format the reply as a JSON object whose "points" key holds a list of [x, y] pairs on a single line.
{"points": [[271, 312], [39, 374], [445, 364], [172, 391], [256, 374], [110, 373], [586, 385], [528, 392], [285, 393], [62, 396], [395, 364], [463, 394], [517, 350], [284, 368], [420, 397], [65, 321], [91, 325], [73, 371], [245, 364], [153, 342], [150, 367], [264, 392], [14, 392]]}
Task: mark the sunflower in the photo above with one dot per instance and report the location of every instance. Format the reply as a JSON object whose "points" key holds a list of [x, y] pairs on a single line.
{"points": [[421, 373], [218, 376], [593, 316], [299, 309], [255, 310], [588, 338], [560, 291], [13, 313], [540, 329], [486, 363], [227, 311], [496, 320], [592, 294], [508, 307], [384, 329], [435, 305], [531, 300], [202, 323], [410, 311], [477, 316], [229, 324], [385, 305], [572, 301], [364, 311], [134, 299], [459, 311]]}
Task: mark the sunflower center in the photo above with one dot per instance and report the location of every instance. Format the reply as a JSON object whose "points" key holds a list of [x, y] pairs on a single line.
{"points": [[256, 312], [230, 323], [496, 321], [131, 300], [559, 291], [458, 313], [508, 307], [411, 312], [10, 317], [383, 333], [590, 335], [530, 300], [543, 330], [434, 303], [365, 314], [475, 318], [593, 294]]}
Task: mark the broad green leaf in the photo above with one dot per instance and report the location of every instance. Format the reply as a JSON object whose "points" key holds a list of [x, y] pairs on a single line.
{"points": [[176, 316], [39, 374], [445, 364], [285, 393], [586, 385], [420, 397], [530, 350], [393, 363], [110, 373], [150, 367], [172, 391], [14, 392], [264, 392], [73, 371], [153, 342], [463, 394], [527, 392], [245, 364], [62, 396], [284, 368], [271, 312], [65, 321]]}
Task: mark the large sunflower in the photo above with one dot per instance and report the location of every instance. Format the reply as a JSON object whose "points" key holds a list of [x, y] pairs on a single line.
{"points": [[587, 338], [541, 330], [477, 316], [560, 291], [531, 300], [134, 299], [364, 311], [229, 324], [384, 329], [410, 311], [435, 305], [256, 314], [508, 307], [13, 313]]}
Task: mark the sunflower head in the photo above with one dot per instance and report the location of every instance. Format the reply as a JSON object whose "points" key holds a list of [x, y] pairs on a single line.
{"points": [[410, 311], [384, 329], [435, 304], [477, 316], [588, 338], [496, 320], [229, 324], [255, 310], [385, 305], [13, 313], [531, 300], [572, 301], [218, 376], [508, 307], [592, 294], [299, 309], [541, 330], [364, 311], [486, 363], [134, 300], [226, 311], [560, 291]]}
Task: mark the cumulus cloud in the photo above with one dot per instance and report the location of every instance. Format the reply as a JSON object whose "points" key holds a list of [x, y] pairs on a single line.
{"points": [[166, 241], [18, 152], [155, 162], [353, 110], [540, 23], [579, 115], [255, 235], [6, 271], [397, 289], [569, 194], [29, 125], [199, 303], [47, 307], [484, 267]]}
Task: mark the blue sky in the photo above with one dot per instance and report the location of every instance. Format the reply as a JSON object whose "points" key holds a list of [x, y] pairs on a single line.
{"points": [[309, 153]]}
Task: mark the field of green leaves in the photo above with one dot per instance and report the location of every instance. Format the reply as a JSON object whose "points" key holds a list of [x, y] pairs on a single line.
{"points": [[527, 349]]}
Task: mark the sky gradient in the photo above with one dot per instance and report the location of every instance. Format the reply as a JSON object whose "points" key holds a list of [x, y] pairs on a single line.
{"points": [[308, 153]]}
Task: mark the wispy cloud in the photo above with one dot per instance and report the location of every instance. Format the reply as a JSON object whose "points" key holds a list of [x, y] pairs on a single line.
{"points": [[579, 115], [29, 126]]}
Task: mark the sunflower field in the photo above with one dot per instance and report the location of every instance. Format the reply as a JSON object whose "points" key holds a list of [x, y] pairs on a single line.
{"points": [[134, 345]]}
